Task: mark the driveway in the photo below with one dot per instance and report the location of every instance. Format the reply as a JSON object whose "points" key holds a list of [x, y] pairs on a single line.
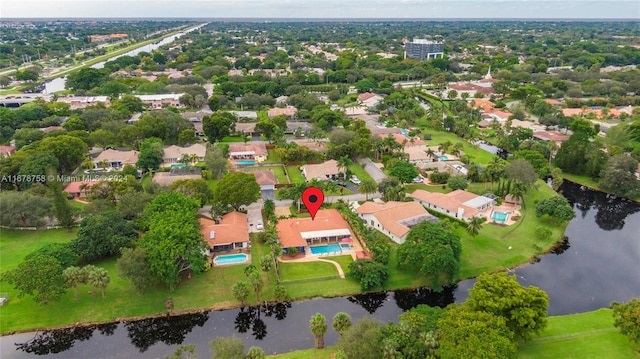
{"points": [[268, 194], [372, 170], [254, 214]]}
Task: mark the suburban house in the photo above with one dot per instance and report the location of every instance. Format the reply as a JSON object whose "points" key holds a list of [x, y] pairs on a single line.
{"points": [[550, 136], [288, 111], [246, 128], [321, 171], [173, 154], [250, 152], [6, 151], [369, 99], [167, 178], [76, 102], [159, 101], [116, 159], [266, 179], [231, 233], [75, 189], [394, 219], [327, 227], [458, 204]]}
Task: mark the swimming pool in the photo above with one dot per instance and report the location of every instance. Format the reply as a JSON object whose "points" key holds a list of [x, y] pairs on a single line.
{"points": [[326, 249], [500, 216], [245, 162], [345, 245], [231, 259], [443, 158]]}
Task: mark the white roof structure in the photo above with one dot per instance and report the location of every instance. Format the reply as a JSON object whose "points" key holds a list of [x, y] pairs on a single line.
{"points": [[325, 233]]}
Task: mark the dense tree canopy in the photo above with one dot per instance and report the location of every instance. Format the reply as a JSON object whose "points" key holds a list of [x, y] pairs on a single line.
{"points": [[102, 235], [433, 251], [555, 207], [524, 309], [39, 276], [237, 189], [627, 318], [219, 125]]}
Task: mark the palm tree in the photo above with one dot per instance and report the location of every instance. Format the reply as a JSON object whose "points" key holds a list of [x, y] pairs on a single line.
{"points": [[186, 158], [73, 276], [367, 186], [473, 227], [344, 162], [84, 187], [255, 353], [240, 291], [193, 158], [494, 170], [518, 190], [341, 322], [318, 327], [99, 278], [431, 153]]}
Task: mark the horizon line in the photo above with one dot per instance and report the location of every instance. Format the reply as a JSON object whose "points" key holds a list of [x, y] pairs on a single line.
{"points": [[262, 19]]}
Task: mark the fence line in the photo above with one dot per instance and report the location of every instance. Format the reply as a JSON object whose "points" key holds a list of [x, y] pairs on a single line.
{"points": [[35, 228]]}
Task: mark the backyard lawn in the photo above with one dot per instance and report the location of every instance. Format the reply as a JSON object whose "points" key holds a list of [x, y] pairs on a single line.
{"points": [[295, 175], [588, 335], [305, 270], [357, 170], [278, 171], [272, 157], [477, 154]]}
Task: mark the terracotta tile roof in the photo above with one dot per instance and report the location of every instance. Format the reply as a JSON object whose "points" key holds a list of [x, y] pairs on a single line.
{"points": [[321, 170], [444, 201], [289, 230], [396, 216], [483, 104], [7, 150], [74, 187], [550, 136], [265, 177], [259, 149], [231, 229]]}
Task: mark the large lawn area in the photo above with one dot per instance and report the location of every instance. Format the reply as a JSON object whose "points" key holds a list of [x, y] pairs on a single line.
{"points": [[305, 270], [295, 175], [477, 154], [587, 336]]}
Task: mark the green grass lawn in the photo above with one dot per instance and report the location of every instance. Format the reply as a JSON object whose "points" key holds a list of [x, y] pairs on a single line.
{"points": [[233, 139], [344, 262], [306, 354], [357, 170], [15, 245], [272, 157], [587, 336], [305, 270], [295, 175]]}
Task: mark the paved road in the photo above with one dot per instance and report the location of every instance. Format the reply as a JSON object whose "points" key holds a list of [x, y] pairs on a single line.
{"points": [[372, 170]]}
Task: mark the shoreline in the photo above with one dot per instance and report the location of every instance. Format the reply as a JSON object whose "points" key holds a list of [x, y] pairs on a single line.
{"points": [[229, 307]]}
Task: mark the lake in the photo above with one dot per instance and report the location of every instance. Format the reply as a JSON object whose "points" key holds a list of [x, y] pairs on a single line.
{"points": [[597, 264]]}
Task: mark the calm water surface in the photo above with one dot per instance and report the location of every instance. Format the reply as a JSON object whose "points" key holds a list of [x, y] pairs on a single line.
{"points": [[597, 264]]}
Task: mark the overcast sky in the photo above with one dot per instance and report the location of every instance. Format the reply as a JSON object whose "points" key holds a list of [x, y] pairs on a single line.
{"points": [[424, 9]]}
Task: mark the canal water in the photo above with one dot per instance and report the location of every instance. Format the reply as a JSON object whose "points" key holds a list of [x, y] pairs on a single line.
{"points": [[58, 84], [597, 264]]}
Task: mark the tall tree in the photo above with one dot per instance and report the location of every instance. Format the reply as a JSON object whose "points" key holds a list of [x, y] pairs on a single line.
{"points": [[521, 170], [433, 251], [627, 318], [215, 161], [240, 291], [22, 209], [237, 189], [99, 279], [73, 277], [556, 207], [227, 348], [40, 277], [344, 162], [194, 188], [318, 327], [151, 152], [523, 309], [341, 322], [219, 125], [619, 176], [367, 186], [65, 213], [134, 265], [102, 235], [465, 333], [474, 226]]}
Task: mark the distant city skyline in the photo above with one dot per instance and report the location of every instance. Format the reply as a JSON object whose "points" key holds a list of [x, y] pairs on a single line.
{"points": [[329, 9]]}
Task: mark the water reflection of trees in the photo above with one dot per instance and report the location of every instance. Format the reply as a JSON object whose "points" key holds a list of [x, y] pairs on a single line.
{"points": [[562, 246], [410, 298], [611, 211], [250, 318], [370, 301], [59, 340], [170, 330]]}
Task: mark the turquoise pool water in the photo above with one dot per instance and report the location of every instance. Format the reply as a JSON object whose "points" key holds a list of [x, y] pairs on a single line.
{"points": [[443, 158], [326, 249], [500, 216], [246, 162], [404, 131], [345, 246], [231, 259]]}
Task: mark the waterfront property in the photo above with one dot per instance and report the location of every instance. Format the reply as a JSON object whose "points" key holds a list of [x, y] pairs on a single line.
{"points": [[394, 219], [303, 233], [230, 234], [458, 204], [230, 259]]}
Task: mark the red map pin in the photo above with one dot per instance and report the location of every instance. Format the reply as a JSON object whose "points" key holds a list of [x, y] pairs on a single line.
{"points": [[312, 198]]}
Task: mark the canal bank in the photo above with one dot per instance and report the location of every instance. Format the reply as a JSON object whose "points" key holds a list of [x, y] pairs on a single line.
{"points": [[598, 263]]}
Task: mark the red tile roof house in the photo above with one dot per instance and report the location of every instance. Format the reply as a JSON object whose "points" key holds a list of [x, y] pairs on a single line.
{"points": [[75, 189], [6, 151], [231, 233], [458, 204], [328, 227], [266, 179], [255, 151], [394, 219]]}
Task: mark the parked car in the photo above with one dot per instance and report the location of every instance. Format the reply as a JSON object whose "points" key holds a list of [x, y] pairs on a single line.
{"points": [[418, 179], [259, 225], [355, 180]]}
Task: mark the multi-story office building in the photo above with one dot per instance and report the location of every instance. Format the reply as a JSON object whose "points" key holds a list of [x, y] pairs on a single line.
{"points": [[422, 49]]}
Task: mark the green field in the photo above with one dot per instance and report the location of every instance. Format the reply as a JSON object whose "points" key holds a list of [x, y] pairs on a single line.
{"points": [[325, 353], [272, 157], [587, 336], [306, 270], [477, 154], [295, 175]]}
